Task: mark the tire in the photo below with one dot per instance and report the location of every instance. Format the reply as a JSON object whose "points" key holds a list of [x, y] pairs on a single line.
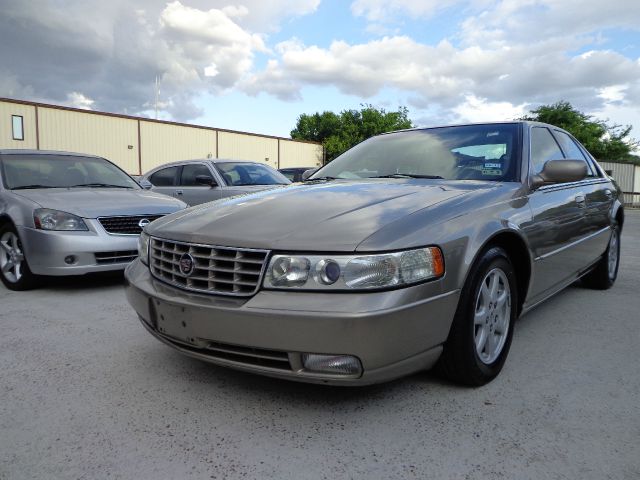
{"points": [[14, 269], [482, 328], [604, 274]]}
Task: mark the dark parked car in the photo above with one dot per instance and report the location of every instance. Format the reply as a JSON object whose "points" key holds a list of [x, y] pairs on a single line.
{"points": [[63, 213], [295, 173], [199, 181], [412, 249]]}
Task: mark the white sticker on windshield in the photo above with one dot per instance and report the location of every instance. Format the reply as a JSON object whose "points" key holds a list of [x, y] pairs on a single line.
{"points": [[493, 134], [492, 165]]}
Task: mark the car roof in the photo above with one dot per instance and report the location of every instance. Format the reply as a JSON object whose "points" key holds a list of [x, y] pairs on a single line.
{"points": [[28, 151], [212, 160], [471, 124]]}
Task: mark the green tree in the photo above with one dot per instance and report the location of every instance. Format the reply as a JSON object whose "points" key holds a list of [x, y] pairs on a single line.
{"points": [[604, 141], [340, 132]]}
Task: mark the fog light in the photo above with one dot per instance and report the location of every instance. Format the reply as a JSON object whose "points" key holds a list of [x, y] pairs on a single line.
{"points": [[70, 259], [334, 364]]}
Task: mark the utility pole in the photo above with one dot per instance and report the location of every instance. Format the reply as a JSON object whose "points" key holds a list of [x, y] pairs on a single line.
{"points": [[157, 94]]}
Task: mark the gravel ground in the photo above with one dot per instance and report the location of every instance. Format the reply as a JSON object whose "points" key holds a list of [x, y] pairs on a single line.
{"points": [[86, 393]]}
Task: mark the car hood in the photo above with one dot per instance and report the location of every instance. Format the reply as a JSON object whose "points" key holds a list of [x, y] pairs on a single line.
{"points": [[98, 202], [327, 217]]}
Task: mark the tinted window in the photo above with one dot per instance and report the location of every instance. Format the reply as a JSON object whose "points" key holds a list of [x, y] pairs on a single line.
{"points": [[246, 173], [543, 149], [473, 152], [190, 172], [165, 177], [62, 171], [572, 150]]}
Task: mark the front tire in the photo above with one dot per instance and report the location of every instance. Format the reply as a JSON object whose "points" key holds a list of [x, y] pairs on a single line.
{"points": [[14, 269], [604, 274], [482, 329]]}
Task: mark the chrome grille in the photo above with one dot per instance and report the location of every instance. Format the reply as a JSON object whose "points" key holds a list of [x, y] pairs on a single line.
{"points": [[220, 270], [125, 225], [125, 256]]}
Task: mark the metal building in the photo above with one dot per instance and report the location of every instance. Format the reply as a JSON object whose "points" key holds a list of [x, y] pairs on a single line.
{"points": [[138, 144], [627, 176]]}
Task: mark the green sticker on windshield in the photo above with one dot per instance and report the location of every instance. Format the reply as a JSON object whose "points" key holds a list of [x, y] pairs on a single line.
{"points": [[495, 172]]}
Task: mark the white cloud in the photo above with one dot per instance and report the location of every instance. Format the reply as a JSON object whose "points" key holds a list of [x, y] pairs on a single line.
{"points": [[78, 100], [112, 51], [475, 109]]}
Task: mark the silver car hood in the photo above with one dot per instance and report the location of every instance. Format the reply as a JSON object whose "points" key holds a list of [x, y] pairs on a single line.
{"points": [[99, 202], [327, 217]]}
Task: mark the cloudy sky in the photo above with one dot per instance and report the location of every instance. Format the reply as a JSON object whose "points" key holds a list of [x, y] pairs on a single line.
{"points": [[256, 65]]}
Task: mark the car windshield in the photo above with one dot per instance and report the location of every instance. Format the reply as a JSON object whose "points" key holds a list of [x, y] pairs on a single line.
{"points": [[250, 174], [61, 171], [471, 152]]}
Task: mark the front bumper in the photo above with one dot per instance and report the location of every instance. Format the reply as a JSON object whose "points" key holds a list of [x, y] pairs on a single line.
{"points": [[392, 333], [93, 251]]}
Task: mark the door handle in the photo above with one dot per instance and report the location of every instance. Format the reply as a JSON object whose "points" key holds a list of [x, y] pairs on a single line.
{"points": [[179, 192], [580, 200], [608, 193]]}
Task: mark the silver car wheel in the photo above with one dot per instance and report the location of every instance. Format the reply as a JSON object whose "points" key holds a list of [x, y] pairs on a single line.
{"points": [[614, 246], [11, 257], [492, 316]]}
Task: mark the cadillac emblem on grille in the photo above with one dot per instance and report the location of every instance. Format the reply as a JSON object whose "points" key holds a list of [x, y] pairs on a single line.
{"points": [[187, 264]]}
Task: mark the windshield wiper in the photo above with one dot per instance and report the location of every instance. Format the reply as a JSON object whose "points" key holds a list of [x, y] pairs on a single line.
{"points": [[98, 185], [409, 175], [26, 187], [323, 179]]}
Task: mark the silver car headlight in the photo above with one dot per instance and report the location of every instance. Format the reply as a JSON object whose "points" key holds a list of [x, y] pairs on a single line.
{"points": [[143, 248], [47, 219], [354, 272]]}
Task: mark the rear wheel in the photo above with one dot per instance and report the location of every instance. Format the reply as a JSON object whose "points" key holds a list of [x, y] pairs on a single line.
{"points": [[14, 270], [482, 328], [604, 274]]}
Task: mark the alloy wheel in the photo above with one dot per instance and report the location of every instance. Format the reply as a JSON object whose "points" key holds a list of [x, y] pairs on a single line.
{"points": [[11, 257], [614, 246], [492, 316]]}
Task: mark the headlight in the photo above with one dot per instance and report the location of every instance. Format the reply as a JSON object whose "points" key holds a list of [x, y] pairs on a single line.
{"points": [[47, 219], [354, 272], [143, 248]]}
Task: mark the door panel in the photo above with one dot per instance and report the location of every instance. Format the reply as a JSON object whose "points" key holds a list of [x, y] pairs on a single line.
{"points": [[557, 229], [190, 191]]}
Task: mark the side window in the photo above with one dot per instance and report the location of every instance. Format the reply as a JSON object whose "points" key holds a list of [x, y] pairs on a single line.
{"points": [[543, 149], [190, 172], [573, 152], [165, 177]]}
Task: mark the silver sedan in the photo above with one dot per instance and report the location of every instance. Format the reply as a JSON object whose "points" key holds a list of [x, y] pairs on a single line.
{"points": [[412, 249], [200, 181], [69, 214]]}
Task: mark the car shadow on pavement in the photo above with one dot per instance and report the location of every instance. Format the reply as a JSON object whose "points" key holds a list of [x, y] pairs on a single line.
{"points": [[80, 282]]}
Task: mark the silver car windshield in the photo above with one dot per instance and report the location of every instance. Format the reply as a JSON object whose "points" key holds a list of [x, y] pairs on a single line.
{"points": [[61, 171], [250, 174], [472, 152]]}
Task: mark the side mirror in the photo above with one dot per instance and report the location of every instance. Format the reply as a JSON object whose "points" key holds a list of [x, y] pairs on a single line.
{"points": [[560, 171], [206, 180], [307, 173], [146, 184]]}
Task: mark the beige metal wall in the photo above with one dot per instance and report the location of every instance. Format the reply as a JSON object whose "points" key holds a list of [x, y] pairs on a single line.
{"points": [[114, 138], [248, 147], [622, 173], [138, 144], [162, 143], [28, 114], [298, 154]]}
